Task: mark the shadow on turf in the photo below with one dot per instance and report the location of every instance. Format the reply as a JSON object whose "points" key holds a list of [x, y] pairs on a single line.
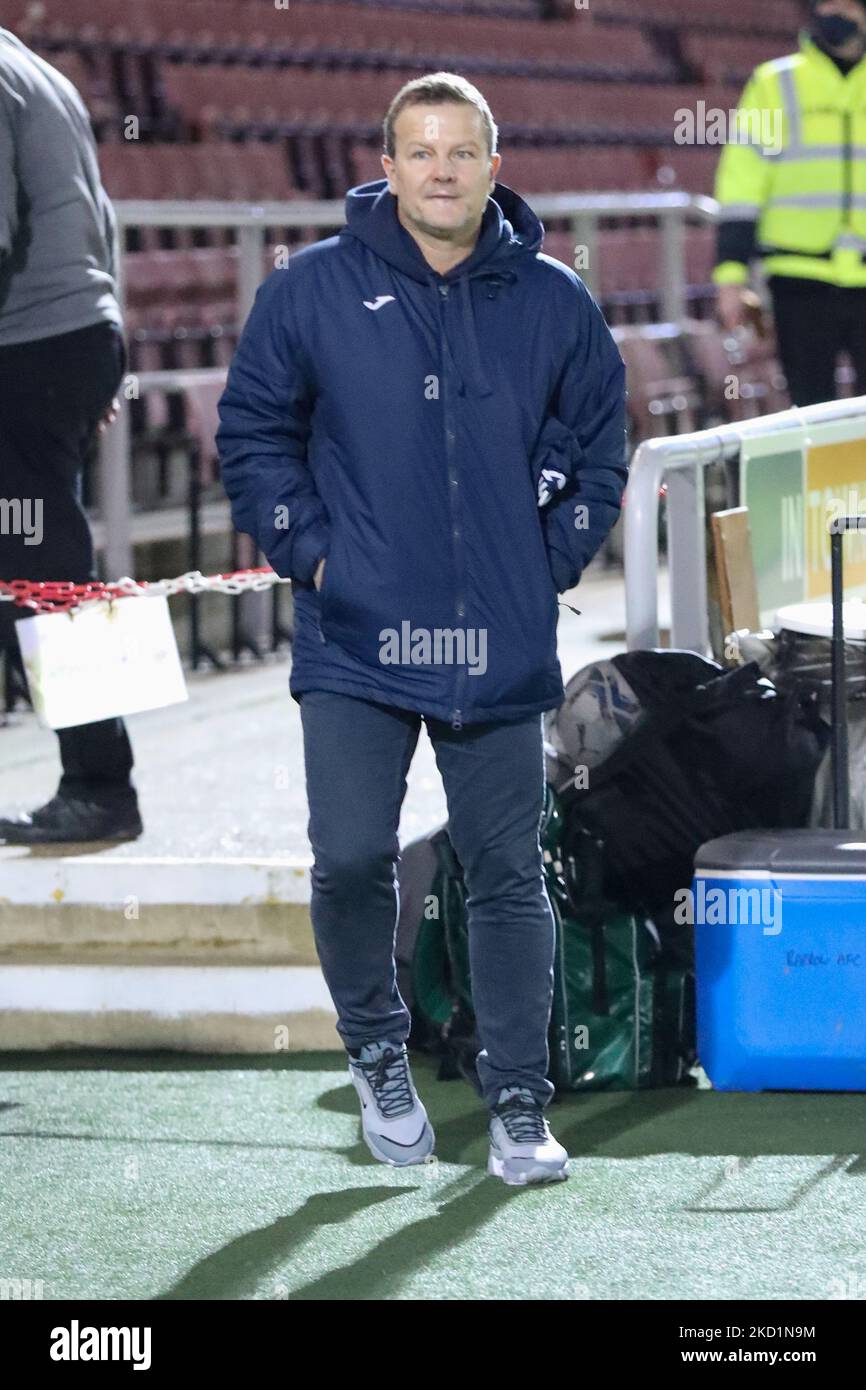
{"points": [[243, 1266], [382, 1270], [239, 1268]]}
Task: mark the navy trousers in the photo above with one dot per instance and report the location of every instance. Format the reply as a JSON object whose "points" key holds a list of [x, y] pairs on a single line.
{"points": [[357, 755]]}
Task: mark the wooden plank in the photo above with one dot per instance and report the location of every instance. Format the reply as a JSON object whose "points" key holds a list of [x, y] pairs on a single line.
{"points": [[735, 571]]}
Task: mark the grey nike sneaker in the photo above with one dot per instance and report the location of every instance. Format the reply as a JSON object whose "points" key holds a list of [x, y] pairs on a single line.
{"points": [[522, 1148], [393, 1119]]}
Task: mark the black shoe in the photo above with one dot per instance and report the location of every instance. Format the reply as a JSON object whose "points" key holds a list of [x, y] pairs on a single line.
{"points": [[71, 820]]}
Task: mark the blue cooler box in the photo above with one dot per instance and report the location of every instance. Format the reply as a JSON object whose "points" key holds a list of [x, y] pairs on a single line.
{"points": [[780, 960]]}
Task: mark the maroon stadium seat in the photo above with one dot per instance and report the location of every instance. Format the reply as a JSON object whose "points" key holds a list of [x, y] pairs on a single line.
{"points": [[700, 254], [704, 345], [205, 96], [780, 17], [690, 168], [661, 399], [226, 172], [728, 57], [574, 169], [308, 30]]}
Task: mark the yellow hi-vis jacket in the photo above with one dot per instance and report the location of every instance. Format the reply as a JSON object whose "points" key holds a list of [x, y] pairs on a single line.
{"points": [[796, 169]]}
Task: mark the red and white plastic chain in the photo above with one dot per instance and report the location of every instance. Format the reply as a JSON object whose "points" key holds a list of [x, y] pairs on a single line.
{"points": [[61, 596]]}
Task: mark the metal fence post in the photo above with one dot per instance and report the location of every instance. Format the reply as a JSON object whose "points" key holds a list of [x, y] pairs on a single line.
{"points": [[115, 500], [641, 550], [584, 229], [251, 267], [687, 560], [115, 482], [673, 264]]}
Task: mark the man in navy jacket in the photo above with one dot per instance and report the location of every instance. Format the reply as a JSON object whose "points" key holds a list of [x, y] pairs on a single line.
{"points": [[424, 428]]}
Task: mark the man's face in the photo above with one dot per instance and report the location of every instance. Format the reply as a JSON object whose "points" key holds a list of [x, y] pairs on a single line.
{"points": [[848, 9], [442, 172]]}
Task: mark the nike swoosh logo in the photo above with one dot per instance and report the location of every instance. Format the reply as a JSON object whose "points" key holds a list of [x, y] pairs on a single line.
{"points": [[378, 302], [410, 1145]]}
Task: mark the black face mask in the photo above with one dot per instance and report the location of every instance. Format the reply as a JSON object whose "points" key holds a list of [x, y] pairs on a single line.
{"points": [[834, 29]]}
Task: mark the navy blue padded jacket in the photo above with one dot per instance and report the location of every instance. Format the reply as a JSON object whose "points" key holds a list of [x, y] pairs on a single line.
{"points": [[453, 444]]}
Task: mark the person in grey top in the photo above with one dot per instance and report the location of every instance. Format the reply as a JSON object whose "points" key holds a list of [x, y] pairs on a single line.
{"points": [[58, 236], [62, 358]]}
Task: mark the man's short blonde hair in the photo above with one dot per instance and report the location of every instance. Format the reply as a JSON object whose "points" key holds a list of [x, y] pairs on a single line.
{"points": [[435, 90]]}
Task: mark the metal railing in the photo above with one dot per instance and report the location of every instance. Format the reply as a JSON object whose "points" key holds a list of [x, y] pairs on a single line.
{"points": [[584, 211], [679, 462]]}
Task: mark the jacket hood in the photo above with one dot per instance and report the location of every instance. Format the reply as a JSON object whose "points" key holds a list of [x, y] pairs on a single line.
{"points": [[510, 233], [509, 230]]}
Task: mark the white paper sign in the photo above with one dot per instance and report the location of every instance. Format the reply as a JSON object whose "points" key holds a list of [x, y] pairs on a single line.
{"points": [[104, 660]]}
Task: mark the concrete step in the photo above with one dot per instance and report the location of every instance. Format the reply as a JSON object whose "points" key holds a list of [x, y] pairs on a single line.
{"points": [[188, 1008], [90, 909], [208, 954]]}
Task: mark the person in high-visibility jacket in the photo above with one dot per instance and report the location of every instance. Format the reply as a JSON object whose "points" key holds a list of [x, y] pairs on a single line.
{"points": [[792, 187]]}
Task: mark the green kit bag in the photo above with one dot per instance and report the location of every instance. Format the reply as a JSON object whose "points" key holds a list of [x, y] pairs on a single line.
{"points": [[623, 1015], [623, 1006]]}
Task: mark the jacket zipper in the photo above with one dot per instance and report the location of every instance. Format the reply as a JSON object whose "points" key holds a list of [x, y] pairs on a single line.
{"points": [[453, 499]]}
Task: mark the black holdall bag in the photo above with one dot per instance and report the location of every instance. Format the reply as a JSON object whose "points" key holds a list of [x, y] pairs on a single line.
{"points": [[713, 751]]}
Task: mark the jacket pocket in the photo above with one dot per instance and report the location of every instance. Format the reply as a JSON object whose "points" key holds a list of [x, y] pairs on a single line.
{"points": [[555, 461], [556, 464], [326, 581], [329, 592]]}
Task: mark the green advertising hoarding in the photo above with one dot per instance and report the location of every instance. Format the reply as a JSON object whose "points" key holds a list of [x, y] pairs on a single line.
{"points": [[793, 484]]}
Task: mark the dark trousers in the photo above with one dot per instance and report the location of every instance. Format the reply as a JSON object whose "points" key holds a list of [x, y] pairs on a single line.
{"points": [[357, 754], [814, 323], [53, 393]]}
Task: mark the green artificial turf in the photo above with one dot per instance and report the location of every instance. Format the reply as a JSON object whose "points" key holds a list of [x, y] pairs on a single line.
{"points": [[145, 1176]]}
